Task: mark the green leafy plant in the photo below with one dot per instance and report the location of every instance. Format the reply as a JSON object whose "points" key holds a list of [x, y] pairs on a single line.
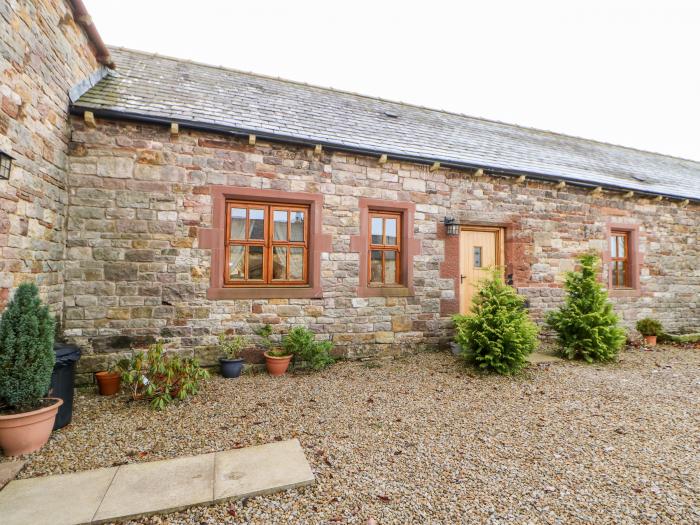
{"points": [[231, 345], [26, 350], [649, 326], [160, 378], [586, 326], [301, 342], [498, 335], [265, 335]]}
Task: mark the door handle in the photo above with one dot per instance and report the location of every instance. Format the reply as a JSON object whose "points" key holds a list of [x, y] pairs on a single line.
{"points": [[461, 278]]}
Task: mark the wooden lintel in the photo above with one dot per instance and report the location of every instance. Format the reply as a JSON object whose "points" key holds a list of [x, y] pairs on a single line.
{"points": [[560, 185], [628, 195], [89, 117], [251, 140], [435, 166], [383, 159], [318, 149], [174, 129], [520, 179]]}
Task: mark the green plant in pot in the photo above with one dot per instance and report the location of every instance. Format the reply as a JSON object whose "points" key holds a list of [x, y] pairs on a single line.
{"points": [[650, 330], [276, 359], [231, 364], [108, 381], [26, 363]]}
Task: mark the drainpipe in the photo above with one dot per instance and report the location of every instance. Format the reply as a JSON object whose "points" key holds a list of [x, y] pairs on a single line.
{"points": [[83, 18]]}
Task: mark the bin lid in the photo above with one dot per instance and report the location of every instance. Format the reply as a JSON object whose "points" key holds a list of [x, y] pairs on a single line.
{"points": [[65, 353]]}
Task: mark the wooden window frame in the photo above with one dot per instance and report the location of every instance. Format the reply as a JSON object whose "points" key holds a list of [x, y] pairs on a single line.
{"points": [[635, 260], [268, 243], [383, 247], [625, 260]]}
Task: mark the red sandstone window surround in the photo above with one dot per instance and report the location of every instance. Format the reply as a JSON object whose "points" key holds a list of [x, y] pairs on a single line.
{"points": [[386, 246], [265, 244]]}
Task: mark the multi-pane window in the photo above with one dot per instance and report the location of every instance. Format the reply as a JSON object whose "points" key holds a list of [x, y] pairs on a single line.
{"points": [[384, 248], [266, 244], [620, 260]]}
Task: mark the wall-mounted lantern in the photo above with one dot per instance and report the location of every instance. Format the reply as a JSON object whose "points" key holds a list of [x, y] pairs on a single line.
{"points": [[451, 226], [5, 165]]}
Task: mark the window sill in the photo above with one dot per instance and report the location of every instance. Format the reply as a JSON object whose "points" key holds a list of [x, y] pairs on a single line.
{"points": [[624, 292], [271, 292], [385, 291]]}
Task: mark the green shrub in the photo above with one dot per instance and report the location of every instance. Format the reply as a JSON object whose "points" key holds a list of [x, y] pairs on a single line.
{"points": [[649, 326], [231, 345], [301, 342], [498, 335], [160, 378], [586, 326], [26, 349]]}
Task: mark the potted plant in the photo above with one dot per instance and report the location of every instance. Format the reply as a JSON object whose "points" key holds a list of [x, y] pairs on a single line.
{"points": [[26, 361], [231, 364], [276, 359], [108, 381], [650, 329]]}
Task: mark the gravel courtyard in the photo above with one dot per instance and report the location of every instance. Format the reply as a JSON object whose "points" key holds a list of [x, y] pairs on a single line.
{"points": [[425, 440]]}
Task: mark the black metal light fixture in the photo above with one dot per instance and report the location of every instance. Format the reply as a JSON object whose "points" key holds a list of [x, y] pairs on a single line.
{"points": [[5, 165], [451, 226]]}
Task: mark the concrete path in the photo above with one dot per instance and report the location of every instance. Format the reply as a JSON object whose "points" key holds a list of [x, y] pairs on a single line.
{"points": [[137, 489]]}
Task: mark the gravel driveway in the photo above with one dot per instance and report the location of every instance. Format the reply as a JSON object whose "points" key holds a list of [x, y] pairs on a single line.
{"points": [[425, 440]]}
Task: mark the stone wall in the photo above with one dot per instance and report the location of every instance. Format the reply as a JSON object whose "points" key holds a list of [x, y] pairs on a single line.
{"points": [[43, 54], [135, 271]]}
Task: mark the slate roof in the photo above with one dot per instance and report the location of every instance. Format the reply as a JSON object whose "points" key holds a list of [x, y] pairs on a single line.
{"points": [[166, 89]]}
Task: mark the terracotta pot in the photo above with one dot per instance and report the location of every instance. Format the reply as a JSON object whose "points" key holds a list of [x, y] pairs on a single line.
{"points": [[108, 383], [650, 340], [29, 431], [277, 366]]}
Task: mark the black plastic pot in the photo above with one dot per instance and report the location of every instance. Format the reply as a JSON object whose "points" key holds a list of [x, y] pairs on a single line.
{"points": [[63, 381], [231, 367]]}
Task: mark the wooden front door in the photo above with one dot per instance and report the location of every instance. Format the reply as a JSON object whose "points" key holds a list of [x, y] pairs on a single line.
{"points": [[480, 251]]}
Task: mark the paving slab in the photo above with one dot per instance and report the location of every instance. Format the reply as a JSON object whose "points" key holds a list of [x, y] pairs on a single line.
{"points": [[9, 470], [264, 469], [65, 499], [158, 486]]}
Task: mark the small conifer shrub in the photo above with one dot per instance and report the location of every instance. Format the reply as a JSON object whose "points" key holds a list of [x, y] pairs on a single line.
{"points": [[498, 335], [586, 326], [26, 350]]}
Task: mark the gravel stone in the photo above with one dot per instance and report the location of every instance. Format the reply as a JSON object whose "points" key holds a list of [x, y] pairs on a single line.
{"points": [[423, 439]]}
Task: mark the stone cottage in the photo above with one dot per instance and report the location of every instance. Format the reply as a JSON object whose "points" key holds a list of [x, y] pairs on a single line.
{"points": [[151, 197]]}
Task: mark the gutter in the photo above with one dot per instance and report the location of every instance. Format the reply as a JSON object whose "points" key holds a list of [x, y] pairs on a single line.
{"points": [[287, 139], [83, 18]]}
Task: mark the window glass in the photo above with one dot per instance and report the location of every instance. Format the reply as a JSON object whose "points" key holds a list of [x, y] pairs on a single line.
{"points": [[236, 263], [238, 223], [376, 266], [377, 227], [255, 262], [613, 246], [257, 224], [390, 260], [280, 220], [297, 226], [296, 263], [390, 231], [279, 263]]}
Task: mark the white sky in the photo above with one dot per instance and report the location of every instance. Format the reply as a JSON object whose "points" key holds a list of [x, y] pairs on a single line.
{"points": [[621, 71]]}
